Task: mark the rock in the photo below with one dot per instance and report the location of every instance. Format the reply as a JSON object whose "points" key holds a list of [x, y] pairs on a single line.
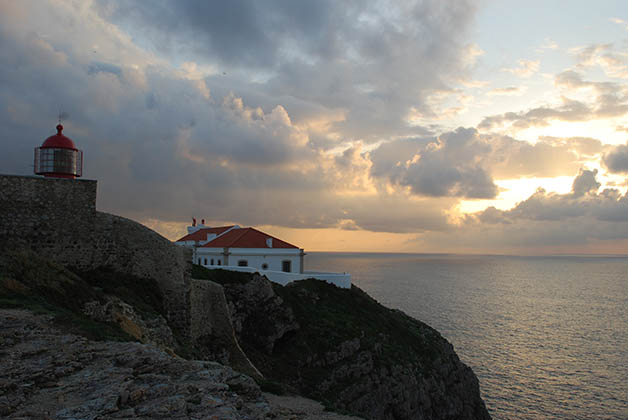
{"points": [[259, 316], [112, 380], [98, 380], [153, 330], [342, 347]]}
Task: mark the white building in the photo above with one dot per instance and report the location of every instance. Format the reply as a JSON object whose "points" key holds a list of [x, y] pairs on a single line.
{"points": [[250, 250]]}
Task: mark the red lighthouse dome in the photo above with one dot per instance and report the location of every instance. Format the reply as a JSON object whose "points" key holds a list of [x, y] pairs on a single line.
{"points": [[58, 157]]}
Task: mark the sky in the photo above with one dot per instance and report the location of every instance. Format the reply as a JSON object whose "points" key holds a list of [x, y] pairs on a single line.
{"points": [[485, 126]]}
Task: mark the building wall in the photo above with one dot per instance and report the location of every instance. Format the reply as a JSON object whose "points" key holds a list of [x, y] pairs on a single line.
{"points": [[255, 257], [342, 280]]}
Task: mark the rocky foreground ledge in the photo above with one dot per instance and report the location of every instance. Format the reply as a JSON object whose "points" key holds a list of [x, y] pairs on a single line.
{"points": [[48, 374]]}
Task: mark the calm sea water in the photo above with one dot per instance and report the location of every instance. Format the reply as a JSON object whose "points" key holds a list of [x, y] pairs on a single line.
{"points": [[546, 336]]}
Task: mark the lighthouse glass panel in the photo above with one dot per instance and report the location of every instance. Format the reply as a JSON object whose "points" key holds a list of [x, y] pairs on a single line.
{"points": [[61, 161]]}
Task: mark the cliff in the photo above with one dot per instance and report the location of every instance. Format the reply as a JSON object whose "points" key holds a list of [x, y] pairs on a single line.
{"points": [[343, 348], [103, 277]]}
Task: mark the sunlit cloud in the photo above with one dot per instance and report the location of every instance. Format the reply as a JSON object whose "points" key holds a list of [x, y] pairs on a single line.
{"points": [[526, 68], [507, 91], [613, 63], [548, 44]]}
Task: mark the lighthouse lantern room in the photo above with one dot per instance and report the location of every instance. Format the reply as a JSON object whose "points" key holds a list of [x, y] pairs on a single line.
{"points": [[58, 157]]}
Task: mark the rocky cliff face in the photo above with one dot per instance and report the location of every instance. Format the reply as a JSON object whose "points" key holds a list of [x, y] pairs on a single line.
{"points": [[343, 348], [48, 374]]}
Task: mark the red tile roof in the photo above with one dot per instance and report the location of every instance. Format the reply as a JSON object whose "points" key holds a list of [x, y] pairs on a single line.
{"points": [[246, 238], [201, 234]]}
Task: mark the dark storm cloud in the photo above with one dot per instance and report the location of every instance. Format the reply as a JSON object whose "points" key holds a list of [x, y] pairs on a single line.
{"points": [[238, 32], [374, 60]]}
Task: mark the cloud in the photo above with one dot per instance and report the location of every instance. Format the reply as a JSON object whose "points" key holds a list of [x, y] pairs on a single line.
{"points": [[348, 56], [526, 68], [463, 163], [610, 101], [440, 167], [168, 142], [620, 22], [507, 91], [613, 63], [616, 160], [548, 44], [546, 222], [548, 157], [583, 201], [585, 183], [99, 67]]}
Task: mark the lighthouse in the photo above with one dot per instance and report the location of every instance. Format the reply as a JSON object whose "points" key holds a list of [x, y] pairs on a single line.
{"points": [[58, 157]]}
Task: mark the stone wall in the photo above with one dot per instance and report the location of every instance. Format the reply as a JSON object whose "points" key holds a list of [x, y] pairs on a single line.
{"points": [[57, 219], [51, 215]]}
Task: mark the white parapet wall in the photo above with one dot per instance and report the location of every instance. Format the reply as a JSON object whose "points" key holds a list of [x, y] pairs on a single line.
{"points": [[342, 280]]}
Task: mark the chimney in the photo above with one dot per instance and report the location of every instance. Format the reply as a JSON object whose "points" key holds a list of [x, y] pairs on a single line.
{"points": [[193, 228]]}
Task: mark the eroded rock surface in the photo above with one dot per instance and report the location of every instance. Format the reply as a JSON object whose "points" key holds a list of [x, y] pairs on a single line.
{"points": [[153, 330], [47, 374]]}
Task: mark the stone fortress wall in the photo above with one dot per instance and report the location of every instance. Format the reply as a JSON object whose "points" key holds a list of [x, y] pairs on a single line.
{"points": [[57, 219]]}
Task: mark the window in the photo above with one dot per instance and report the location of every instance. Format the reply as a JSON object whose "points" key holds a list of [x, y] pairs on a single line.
{"points": [[243, 263], [205, 261], [218, 262], [212, 261], [286, 266], [264, 266]]}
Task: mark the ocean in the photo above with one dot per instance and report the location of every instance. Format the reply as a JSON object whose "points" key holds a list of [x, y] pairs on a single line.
{"points": [[546, 336]]}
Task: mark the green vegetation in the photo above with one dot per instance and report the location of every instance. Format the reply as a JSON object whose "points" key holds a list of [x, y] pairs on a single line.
{"points": [[339, 331], [30, 282], [329, 316], [220, 276]]}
